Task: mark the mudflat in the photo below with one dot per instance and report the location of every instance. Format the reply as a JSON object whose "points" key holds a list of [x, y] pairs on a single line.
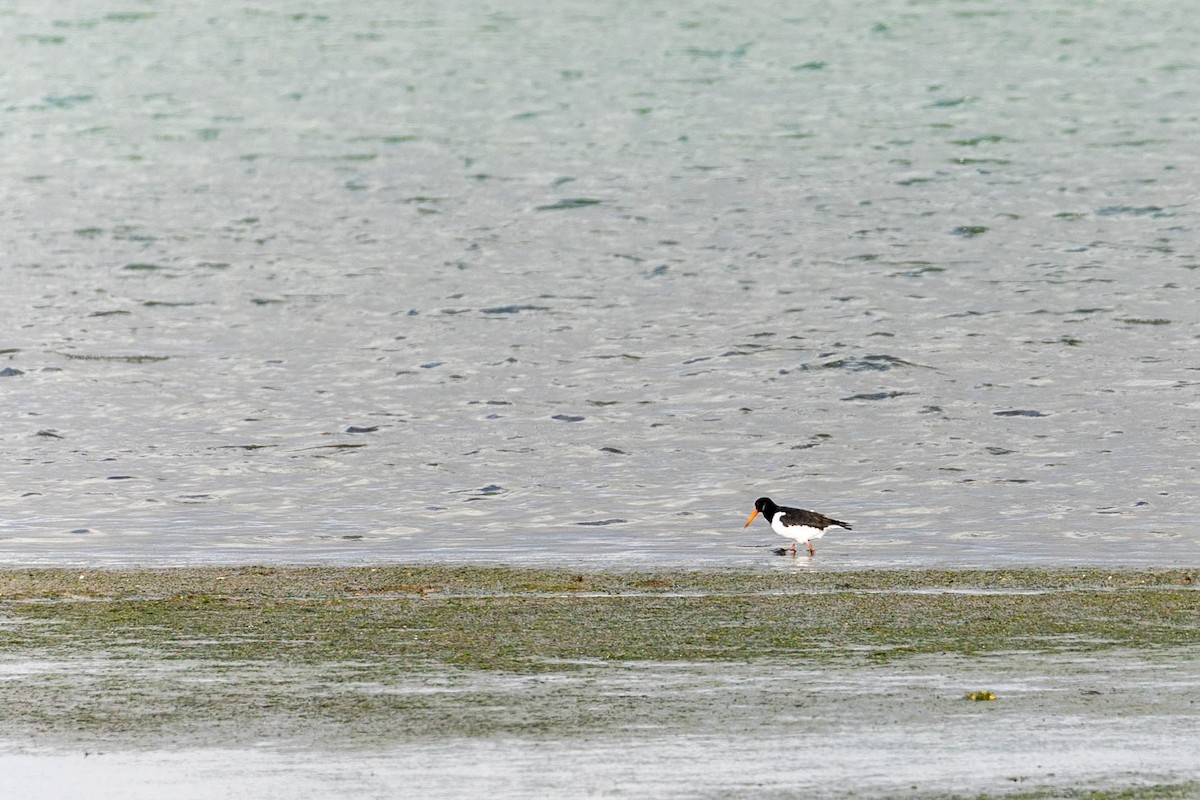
{"points": [[363, 660]]}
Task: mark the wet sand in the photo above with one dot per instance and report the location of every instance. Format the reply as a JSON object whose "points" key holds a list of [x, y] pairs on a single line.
{"points": [[515, 682]]}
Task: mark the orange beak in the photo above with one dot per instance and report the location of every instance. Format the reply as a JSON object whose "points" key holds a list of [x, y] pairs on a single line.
{"points": [[752, 516]]}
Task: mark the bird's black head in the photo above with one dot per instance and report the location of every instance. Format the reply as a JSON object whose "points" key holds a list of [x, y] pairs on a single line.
{"points": [[763, 505]]}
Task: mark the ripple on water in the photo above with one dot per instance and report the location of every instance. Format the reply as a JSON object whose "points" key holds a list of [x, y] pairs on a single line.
{"points": [[582, 297]]}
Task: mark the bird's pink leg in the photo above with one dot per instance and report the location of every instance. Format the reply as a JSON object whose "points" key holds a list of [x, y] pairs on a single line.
{"points": [[811, 552]]}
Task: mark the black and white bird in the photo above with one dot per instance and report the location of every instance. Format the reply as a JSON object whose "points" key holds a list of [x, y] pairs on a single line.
{"points": [[794, 523]]}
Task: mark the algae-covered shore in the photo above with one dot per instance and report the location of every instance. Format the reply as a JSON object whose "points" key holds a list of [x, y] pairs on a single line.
{"points": [[359, 659], [421, 618]]}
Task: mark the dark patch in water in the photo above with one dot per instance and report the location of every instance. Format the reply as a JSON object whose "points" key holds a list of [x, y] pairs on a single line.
{"points": [[876, 396], [569, 203], [491, 489], [357, 429], [951, 102], [126, 359], [814, 440], [917, 272], [1137, 211], [567, 418], [613, 450], [1023, 412], [1142, 321], [978, 140], [870, 363], [11, 372], [514, 309], [603, 522]]}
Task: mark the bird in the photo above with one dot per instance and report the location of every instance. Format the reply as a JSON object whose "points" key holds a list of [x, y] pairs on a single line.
{"points": [[794, 523]]}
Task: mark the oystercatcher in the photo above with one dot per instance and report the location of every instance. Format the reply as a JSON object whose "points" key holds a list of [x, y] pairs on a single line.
{"points": [[794, 523]]}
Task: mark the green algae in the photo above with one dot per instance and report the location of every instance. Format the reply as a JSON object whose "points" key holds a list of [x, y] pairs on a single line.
{"points": [[424, 579], [1180, 791], [521, 620], [358, 656]]}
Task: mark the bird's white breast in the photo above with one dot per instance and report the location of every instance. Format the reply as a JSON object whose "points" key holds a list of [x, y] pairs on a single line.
{"points": [[801, 533]]}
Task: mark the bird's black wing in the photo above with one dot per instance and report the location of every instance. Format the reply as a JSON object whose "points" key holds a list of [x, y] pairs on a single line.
{"points": [[798, 516]]}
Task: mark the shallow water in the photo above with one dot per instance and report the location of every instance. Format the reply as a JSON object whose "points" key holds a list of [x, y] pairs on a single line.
{"points": [[575, 284], [1120, 720], [314, 682]]}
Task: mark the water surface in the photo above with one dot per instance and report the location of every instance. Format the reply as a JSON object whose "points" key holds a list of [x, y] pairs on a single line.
{"points": [[576, 284]]}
